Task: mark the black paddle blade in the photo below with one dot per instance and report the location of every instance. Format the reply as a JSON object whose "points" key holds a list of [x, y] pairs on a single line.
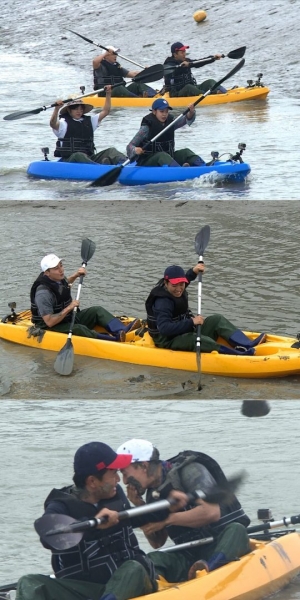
{"points": [[153, 73], [108, 178], [21, 114], [238, 53], [87, 250], [218, 83], [61, 541], [202, 239], [64, 361], [224, 493], [255, 408], [230, 74]]}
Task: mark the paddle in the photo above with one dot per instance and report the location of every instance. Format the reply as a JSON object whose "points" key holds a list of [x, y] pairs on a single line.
{"points": [[201, 241], [235, 54], [111, 176], [64, 361], [107, 49], [255, 408], [286, 521], [150, 74]]}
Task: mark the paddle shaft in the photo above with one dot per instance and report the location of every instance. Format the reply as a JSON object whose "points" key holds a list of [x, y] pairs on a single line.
{"points": [[198, 335], [75, 307], [107, 49]]}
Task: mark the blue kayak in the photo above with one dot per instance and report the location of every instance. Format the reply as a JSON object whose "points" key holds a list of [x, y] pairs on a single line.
{"points": [[231, 171]]}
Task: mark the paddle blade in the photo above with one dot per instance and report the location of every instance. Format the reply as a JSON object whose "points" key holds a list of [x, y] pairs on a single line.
{"points": [[87, 250], [64, 361], [153, 73], [21, 114], [202, 239], [255, 408], [61, 541], [224, 493], [108, 178], [238, 53]]}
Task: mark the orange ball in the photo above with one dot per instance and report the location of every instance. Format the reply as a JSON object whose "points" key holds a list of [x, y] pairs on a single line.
{"points": [[199, 15]]}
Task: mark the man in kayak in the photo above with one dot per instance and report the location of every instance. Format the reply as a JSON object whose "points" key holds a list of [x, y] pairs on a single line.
{"points": [[162, 151], [75, 133], [107, 71], [52, 305], [172, 325], [180, 81], [107, 563], [188, 471]]}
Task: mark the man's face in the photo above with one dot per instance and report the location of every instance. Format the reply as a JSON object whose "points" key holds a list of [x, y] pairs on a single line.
{"points": [[56, 273], [180, 55], [136, 476], [106, 487], [111, 57], [176, 289]]}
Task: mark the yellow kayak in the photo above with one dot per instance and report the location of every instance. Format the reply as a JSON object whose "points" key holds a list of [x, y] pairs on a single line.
{"points": [[268, 568], [238, 94], [274, 358]]}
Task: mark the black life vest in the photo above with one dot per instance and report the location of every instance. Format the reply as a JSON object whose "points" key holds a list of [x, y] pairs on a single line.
{"points": [[180, 306], [79, 138], [173, 480], [166, 141], [180, 77], [100, 552], [108, 74], [62, 298]]}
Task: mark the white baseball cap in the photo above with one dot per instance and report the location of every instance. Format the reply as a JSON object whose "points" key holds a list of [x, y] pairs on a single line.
{"points": [[139, 449], [49, 262], [112, 48]]}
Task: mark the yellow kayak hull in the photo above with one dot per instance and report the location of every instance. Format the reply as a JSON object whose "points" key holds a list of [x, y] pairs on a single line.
{"points": [[268, 568], [274, 358], [237, 95]]}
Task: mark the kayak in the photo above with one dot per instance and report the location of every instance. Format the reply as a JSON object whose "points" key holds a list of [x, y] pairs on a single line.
{"points": [[227, 171], [273, 358], [237, 94], [268, 568]]}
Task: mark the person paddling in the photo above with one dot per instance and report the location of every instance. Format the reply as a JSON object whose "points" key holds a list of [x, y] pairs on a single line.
{"points": [[75, 133], [52, 305], [162, 152], [172, 325], [180, 81], [107, 71]]}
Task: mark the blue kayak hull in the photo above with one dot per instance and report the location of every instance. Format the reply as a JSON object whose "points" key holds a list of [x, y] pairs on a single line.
{"points": [[132, 175]]}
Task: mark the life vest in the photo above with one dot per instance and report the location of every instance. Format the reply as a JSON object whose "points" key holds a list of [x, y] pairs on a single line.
{"points": [[180, 77], [233, 512], [100, 552], [108, 74], [79, 138], [180, 307], [166, 141], [62, 298]]}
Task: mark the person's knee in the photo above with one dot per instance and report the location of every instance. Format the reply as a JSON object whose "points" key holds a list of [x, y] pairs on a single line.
{"points": [[240, 535]]}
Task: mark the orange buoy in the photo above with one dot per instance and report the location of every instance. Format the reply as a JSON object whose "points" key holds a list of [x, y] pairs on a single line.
{"points": [[199, 15]]}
